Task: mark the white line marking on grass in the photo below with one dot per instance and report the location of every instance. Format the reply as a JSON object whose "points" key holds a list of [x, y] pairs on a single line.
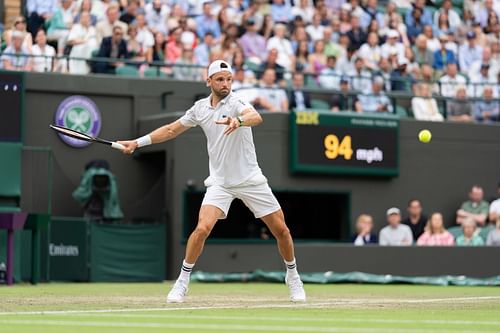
{"points": [[219, 327], [271, 305], [290, 319]]}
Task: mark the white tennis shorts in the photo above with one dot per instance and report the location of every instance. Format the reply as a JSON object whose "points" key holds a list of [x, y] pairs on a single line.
{"points": [[258, 198]]}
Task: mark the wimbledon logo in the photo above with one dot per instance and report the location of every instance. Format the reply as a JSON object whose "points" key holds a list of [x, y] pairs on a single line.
{"points": [[80, 114]]}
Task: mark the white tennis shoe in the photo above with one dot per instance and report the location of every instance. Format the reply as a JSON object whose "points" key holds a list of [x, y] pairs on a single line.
{"points": [[297, 292], [178, 292]]}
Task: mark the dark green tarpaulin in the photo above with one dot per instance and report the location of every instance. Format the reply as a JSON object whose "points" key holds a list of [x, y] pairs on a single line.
{"points": [[351, 277], [127, 253]]}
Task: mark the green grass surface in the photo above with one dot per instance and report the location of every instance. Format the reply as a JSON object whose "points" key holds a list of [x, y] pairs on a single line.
{"points": [[251, 307]]}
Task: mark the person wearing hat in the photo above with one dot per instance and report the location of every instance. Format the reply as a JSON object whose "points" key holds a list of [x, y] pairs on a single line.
{"points": [[483, 78], [469, 52], [395, 233], [227, 123], [392, 44], [16, 57]]}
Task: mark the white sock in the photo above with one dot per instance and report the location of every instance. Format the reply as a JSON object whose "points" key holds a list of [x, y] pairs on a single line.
{"points": [[291, 267], [185, 271]]}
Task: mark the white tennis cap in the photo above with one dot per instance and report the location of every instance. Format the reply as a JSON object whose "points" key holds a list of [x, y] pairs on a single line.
{"points": [[219, 66]]}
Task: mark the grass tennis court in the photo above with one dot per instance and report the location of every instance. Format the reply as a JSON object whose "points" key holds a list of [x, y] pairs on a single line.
{"points": [[253, 307]]}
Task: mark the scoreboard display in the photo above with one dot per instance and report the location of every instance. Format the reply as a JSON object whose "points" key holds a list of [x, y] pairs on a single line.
{"points": [[344, 143], [11, 110]]}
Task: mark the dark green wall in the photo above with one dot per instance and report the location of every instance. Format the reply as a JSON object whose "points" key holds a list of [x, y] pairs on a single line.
{"points": [[439, 173]]}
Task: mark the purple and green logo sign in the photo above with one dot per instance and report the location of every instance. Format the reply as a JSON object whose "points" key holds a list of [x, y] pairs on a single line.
{"points": [[80, 114]]}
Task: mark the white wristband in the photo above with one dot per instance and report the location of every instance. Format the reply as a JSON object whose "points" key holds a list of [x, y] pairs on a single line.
{"points": [[144, 141]]}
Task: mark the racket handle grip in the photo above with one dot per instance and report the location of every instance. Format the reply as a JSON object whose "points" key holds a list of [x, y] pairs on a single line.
{"points": [[117, 145]]}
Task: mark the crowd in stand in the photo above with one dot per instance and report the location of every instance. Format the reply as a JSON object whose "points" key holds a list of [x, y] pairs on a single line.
{"points": [[477, 223], [429, 48]]}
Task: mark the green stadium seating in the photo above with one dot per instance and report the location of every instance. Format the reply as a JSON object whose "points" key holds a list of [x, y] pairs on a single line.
{"points": [[456, 231], [401, 111], [485, 231], [154, 72], [319, 104], [127, 71], [310, 82]]}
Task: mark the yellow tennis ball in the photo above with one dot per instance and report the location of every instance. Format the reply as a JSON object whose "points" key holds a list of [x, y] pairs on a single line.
{"points": [[425, 136]]}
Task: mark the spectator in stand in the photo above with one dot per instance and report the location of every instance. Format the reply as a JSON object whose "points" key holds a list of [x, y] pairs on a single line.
{"points": [[270, 97], [443, 56], [426, 17], [460, 109], [376, 101], [105, 27], [425, 107], [82, 39], [144, 36], [134, 48], [185, 67], [343, 101], [329, 77], [451, 81], [113, 47], [281, 12], [475, 208], [395, 233], [159, 47], [129, 16], [371, 52], [331, 47], [401, 79], [303, 9], [415, 220], [39, 12], [469, 237], [494, 212], [454, 20], [299, 99], [385, 70], [16, 57], [482, 79], [392, 45], [239, 63], [483, 14], [282, 45], [487, 110], [301, 58], [60, 24], [157, 15], [356, 35], [317, 60], [361, 78], [202, 51], [493, 238], [19, 25], [86, 6], [364, 231], [418, 26], [469, 52], [435, 233], [207, 22], [43, 54], [253, 44], [174, 45], [371, 13], [420, 51], [271, 62], [315, 30]]}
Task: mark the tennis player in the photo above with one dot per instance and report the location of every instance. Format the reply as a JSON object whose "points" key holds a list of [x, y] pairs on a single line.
{"points": [[234, 173]]}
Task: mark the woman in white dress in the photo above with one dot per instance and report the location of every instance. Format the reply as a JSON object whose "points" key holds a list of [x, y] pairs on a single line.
{"points": [[82, 38], [43, 54], [424, 106]]}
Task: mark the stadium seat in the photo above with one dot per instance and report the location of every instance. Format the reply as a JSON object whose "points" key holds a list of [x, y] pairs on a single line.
{"points": [[456, 231], [310, 82], [401, 111], [485, 231], [154, 72], [127, 71], [320, 104]]}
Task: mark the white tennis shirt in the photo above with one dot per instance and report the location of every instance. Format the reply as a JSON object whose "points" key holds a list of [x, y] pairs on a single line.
{"points": [[232, 158]]}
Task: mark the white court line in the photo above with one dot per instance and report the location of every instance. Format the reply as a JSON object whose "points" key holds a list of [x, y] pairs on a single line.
{"points": [[225, 327], [263, 306], [291, 319]]}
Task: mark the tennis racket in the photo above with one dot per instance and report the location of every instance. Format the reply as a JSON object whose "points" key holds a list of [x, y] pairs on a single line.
{"points": [[81, 136]]}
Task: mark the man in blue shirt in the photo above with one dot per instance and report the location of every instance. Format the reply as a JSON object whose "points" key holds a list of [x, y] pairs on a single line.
{"points": [[469, 52], [207, 22], [443, 56], [281, 12], [426, 18], [487, 110], [376, 101]]}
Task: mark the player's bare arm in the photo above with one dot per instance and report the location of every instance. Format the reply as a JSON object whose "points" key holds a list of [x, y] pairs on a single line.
{"points": [[249, 117], [161, 134]]}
